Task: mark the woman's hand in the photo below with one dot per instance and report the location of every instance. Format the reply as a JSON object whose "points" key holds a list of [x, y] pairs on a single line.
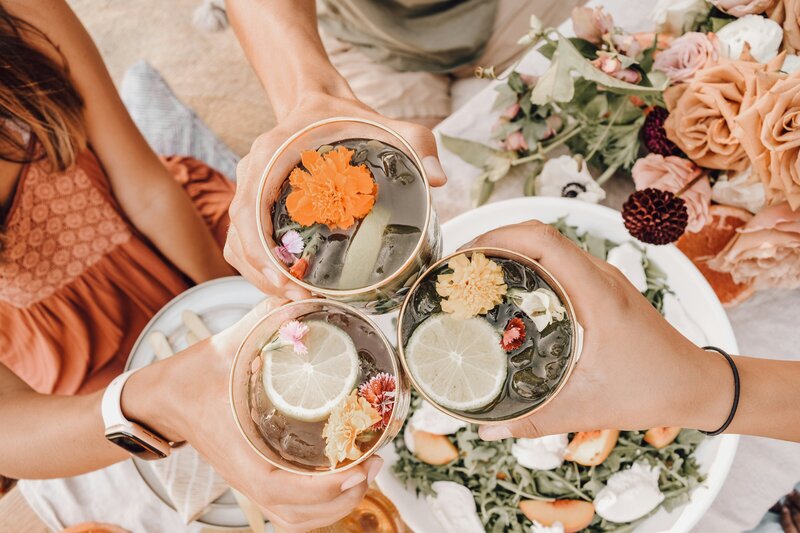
{"points": [[201, 414], [635, 371], [243, 249]]}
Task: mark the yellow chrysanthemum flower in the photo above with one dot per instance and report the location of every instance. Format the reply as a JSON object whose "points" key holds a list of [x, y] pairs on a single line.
{"points": [[474, 288], [346, 422]]}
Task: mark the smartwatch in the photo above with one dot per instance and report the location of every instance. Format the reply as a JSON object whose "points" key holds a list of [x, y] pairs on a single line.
{"points": [[130, 436]]}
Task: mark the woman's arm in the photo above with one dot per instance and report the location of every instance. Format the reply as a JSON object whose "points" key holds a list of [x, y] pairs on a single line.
{"points": [[148, 194], [636, 371], [281, 41], [183, 398]]}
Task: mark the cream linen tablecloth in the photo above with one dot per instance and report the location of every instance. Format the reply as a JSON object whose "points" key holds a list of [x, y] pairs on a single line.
{"points": [[766, 325]]}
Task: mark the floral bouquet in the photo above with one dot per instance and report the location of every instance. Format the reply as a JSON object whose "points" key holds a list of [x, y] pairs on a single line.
{"points": [[703, 114]]}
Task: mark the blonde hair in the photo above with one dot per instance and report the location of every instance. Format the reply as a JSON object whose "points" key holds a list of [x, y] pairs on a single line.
{"points": [[37, 94]]}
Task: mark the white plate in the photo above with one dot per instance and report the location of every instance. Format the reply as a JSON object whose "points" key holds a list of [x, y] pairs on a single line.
{"points": [[220, 304], [714, 455]]}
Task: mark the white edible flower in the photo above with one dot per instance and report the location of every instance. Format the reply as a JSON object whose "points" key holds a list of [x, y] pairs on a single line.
{"points": [[454, 508], [675, 313], [542, 306], [544, 453], [557, 527], [629, 494], [791, 64], [763, 35], [743, 189], [674, 16], [429, 419], [629, 259], [565, 176]]}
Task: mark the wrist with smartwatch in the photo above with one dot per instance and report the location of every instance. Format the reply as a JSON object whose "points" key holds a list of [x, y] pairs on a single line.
{"points": [[133, 437]]}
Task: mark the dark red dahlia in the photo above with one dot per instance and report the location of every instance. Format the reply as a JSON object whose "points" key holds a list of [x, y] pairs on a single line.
{"points": [[379, 391], [655, 216], [655, 136], [513, 335]]}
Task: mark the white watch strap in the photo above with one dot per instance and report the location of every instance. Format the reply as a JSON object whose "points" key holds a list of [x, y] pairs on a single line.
{"points": [[111, 406]]}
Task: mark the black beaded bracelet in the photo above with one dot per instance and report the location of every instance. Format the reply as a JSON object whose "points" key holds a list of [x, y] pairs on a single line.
{"points": [[736, 389]]}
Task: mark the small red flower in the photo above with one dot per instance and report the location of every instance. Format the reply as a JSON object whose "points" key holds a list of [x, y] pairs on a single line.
{"points": [[379, 391], [298, 269], [513, 335]]}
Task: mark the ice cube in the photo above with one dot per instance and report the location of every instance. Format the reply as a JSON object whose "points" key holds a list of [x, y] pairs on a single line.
{"points": [[528, 385], [396, 168], [326, 266], [524, 358], [397, 243]]}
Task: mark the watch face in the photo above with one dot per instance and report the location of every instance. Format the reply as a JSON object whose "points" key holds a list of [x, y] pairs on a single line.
{"points": [[134, 446]]}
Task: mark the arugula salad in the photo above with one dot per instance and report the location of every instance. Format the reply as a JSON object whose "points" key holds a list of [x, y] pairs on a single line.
{"points": [[585, 489]]}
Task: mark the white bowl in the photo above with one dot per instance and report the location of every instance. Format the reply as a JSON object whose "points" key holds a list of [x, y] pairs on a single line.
{"points": [[714, 455]]}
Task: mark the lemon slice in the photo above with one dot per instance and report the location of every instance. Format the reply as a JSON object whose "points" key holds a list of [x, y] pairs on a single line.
{"points": [[459, 364], [308, 386]]}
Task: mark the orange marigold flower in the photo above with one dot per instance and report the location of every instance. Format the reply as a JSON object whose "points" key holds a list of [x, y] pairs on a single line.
{"points": [[330, 191]]}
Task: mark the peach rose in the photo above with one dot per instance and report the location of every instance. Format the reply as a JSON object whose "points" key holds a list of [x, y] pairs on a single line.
{"points": [[769, 131], [740, 8], [591, 24], [702, 112], [766, 250], [686, 55], [787, 13], [671, 174]]}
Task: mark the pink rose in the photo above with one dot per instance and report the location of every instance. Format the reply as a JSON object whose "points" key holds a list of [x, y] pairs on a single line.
{"points": [[607, 63], [515, 142], [740, 8], [766, 250], [591, 24], [672, 173], [511, 111], [628, 75], [686, 55]]}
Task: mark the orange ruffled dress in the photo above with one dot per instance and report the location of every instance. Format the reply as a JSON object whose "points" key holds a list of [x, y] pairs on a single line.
{"points": [[78, 283]]}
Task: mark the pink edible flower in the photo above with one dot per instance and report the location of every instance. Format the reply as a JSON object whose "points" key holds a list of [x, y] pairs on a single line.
{"points": [[515, 142], [380, 392], [291, 246], [292, 333]]}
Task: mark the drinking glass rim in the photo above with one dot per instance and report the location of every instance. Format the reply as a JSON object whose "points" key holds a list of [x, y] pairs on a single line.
{"points": [[397, 367], [575, 327], [424, 230]]}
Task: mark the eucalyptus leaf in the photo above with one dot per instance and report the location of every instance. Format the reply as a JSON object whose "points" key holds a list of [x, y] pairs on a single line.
{"points": [[505, 97], [474, 153], [497, 168], [482, 189]]}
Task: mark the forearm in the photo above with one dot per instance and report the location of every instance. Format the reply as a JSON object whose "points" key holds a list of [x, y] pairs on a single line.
{"points": [[166, 216], [49, 436], [769, 400], [281, 40]]}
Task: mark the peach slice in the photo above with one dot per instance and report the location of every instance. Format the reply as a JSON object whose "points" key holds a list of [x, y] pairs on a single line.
{"points": [[433, 449], [660, 437], [574, 515], [590, 448]]}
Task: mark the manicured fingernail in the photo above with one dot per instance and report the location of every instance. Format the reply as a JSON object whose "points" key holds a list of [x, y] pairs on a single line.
{"points": [[374, 468], [434, 168], [494, 432], [352, 481], [274, 277], [295, 294]]}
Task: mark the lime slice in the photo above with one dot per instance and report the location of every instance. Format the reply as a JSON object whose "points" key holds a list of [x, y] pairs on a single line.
{"points": [[459, 364], [308, 386]]}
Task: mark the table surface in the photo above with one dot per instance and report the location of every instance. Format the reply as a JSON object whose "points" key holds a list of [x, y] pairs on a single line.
{"points": [[765, 325]]}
